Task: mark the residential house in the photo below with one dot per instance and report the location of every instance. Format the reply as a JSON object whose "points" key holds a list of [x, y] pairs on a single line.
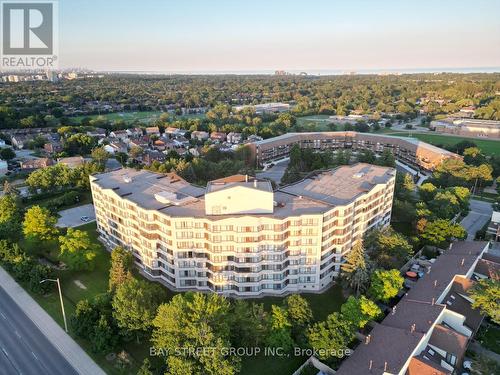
{"points": [[72, 162], [180, 141], [429, 330], [36, 163], [150, 156], [218, 136], [172, 132], [134, 132], [19, 141], [115, 147], [494, 225], [200, 135], [53, 147], [119, 134], [234, 138], [153, 130], [97, 132], [142, 142], [254, 138]]}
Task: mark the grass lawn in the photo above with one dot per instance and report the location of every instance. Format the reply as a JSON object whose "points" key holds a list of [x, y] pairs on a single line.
{"points": [[96, 282], [316, 123], [489, 337], [85, 197], [487, 146]]}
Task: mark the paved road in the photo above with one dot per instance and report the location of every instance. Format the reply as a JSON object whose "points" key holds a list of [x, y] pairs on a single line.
{"points": [[23, 348], [480, 214]]}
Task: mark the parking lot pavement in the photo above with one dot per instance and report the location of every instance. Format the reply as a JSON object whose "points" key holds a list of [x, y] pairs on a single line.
{"points": [[479, 215], [274, 173], [72, 217]]}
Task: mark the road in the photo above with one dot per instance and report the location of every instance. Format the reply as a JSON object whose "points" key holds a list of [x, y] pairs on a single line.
{"points": [[23, 348], [480, 214]]}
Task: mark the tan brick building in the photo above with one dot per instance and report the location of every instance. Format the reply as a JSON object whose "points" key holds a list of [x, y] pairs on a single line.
{"points": [[237, 236], [410, 151]]}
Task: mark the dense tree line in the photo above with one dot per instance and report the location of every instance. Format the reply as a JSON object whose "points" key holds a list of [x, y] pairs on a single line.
{"points": [[310, 95]]}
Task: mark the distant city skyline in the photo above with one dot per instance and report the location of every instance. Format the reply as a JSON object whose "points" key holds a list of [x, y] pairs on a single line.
{"points": [[317, 36]]}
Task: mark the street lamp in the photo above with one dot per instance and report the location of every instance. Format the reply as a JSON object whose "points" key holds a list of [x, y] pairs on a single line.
{"points": [[60, 297]]}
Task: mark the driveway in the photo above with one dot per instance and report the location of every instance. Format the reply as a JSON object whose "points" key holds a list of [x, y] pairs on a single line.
{"points": [[72, 216], [479, 215], [274, 173]]}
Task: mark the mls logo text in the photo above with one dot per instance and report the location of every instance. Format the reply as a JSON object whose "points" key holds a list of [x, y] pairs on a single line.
{"points": [[29, 34]]}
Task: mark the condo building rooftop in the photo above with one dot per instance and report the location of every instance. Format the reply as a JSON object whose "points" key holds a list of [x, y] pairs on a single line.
{"points": [[244, 195]]}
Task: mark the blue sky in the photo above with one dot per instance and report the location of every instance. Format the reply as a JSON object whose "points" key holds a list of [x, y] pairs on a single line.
{"points": [[254, 35]]}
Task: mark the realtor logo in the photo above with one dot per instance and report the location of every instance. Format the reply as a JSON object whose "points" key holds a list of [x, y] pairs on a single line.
{"points": [[29, 33]]}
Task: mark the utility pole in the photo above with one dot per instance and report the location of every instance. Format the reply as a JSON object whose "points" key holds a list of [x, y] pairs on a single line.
{"points": [[61, 299]]}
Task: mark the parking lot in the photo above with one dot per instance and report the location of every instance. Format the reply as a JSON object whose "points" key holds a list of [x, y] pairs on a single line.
{"points": [[72, 217]]}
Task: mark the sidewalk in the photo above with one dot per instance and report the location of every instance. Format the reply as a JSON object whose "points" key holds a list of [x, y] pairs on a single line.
{"points": [[73, 353]]}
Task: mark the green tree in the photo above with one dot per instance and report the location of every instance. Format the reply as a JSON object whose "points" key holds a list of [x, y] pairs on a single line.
{"points": [[10, 217], [77, 250], [39, 224], [445, 205], [9, 189], [280, 334], [440, 231], [100, 155], [7, 153], [474, 156], [387, 159], [331, 337], [385, 284], [134, 306], [299, 311], [388, 247], [121, 267], [191, 321], [355, 270], [359, 311], [248, 323], [84, 319], [103, 337], [427, 191], [485, 296], [145, 368]]}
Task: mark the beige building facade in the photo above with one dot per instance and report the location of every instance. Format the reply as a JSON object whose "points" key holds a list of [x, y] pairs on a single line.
{"points": [[237, 236]]}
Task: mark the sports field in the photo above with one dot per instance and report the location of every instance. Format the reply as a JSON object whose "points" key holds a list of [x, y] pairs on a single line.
{"points": [[142, 116], [487, 146]]}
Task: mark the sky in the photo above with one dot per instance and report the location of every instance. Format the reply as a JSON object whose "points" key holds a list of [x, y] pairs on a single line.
{"points": [[210, 36]]}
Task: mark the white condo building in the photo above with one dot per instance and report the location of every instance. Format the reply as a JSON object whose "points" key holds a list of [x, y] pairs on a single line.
{"points": [[237, 236]]}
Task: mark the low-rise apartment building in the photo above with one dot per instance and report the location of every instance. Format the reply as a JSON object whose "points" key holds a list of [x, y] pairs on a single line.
{"points": [[410, 151], [238, 236], [467, 127]]}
